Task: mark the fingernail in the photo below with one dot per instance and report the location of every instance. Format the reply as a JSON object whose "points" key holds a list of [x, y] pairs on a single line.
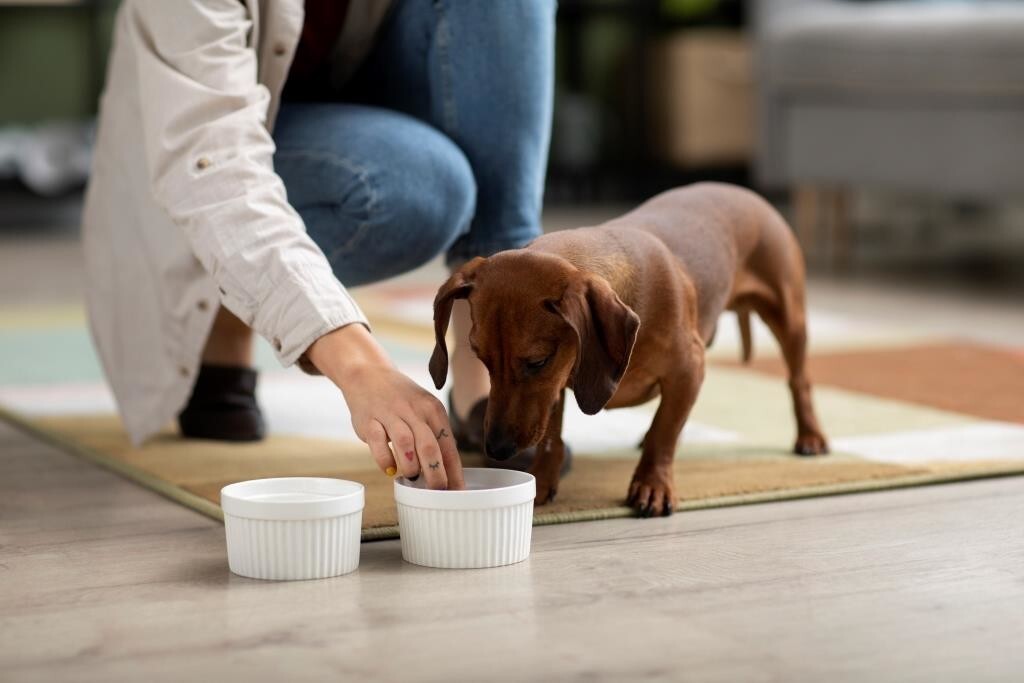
{"points": [[391, 471]]}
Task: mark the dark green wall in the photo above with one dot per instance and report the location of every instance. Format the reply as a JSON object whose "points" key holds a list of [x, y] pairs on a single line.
{"points": [[52, 60]]}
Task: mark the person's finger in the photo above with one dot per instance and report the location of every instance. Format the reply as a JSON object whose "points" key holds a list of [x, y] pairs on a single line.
{"points": [[429, 453], [442, 429], [452, 461], [404, 446], [377, 439]]}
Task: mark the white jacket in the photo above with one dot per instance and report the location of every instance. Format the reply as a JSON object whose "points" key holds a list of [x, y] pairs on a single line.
{"points": [[184, 211]]}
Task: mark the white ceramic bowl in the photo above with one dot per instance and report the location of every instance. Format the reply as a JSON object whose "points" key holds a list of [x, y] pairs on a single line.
{"points": [[293, 527], [489, 524]]}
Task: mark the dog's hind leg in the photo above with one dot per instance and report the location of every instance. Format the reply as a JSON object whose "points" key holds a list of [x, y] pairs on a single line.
{"points": [[786, 318]]}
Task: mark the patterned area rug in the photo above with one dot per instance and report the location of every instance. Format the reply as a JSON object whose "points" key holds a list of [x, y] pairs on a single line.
{"points": [[899, 409]]}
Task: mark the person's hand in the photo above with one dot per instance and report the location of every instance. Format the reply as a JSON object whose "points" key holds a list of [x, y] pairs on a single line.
{"points": [[388, 407]]}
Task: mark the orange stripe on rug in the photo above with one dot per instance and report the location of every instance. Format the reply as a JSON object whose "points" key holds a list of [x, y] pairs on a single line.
{"points": [[971, 379]]}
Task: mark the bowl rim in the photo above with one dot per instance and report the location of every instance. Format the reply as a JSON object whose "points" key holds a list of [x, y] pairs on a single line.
{"points": [[521, 489], [335, 497]]}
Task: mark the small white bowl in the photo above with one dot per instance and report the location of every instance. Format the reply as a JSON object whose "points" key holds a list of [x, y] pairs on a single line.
{"points": [[489, 524], [293, 528]]}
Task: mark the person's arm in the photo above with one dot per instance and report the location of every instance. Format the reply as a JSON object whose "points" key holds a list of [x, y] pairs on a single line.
{"points": [[209, 157]]}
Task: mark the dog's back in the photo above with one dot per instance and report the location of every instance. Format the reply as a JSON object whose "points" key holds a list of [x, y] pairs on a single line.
{"points": [[725, 238], [715, 230]]}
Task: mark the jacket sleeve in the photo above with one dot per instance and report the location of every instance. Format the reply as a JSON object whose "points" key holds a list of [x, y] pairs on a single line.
{"points": [[209, 157]]}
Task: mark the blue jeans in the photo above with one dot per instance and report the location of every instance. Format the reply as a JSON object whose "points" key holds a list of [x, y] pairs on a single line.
{"points": [[437, 145]]}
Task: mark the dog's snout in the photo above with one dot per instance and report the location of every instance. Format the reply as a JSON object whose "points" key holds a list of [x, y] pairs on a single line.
{"points": [[500, 444]]}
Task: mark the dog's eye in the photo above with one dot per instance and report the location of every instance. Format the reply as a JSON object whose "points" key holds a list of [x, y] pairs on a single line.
{"points": [[536, 364]]}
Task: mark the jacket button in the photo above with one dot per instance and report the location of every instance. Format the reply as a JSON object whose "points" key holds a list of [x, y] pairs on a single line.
{"points": [[203, 305], [277, 344], [222, 290], [280, 49], [203, 163], [183, 371]]}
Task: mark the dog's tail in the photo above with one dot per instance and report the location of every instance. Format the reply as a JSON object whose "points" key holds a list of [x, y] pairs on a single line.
{"points": [[743, 316]]}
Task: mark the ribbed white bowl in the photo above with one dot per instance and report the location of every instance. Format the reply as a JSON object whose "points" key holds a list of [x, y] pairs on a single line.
{"points": [[293, 528], [490, 524]]}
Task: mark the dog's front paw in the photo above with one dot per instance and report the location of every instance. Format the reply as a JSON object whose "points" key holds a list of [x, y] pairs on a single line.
{"points": [[546, 469], [652, 493], [811, 443], [546, 491]]}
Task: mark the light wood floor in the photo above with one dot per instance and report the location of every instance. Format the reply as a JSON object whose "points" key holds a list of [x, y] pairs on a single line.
{"points": [[101, 580]]}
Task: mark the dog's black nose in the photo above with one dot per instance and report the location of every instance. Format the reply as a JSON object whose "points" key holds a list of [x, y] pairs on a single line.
{"points": [[499, 446]]}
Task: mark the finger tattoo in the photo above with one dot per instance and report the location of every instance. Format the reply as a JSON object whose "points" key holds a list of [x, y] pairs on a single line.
{"points": [[443, 433], [409, 455], [434, 465]]}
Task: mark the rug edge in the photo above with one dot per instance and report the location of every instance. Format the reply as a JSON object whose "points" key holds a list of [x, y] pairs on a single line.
{"points": [[173, 492]]}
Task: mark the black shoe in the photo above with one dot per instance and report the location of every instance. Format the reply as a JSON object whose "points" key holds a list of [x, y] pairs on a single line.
{"points": [[223, 406], [469, 436]]}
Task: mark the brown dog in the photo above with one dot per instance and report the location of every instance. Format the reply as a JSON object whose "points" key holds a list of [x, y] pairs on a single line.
{"points": [[622, 312]]}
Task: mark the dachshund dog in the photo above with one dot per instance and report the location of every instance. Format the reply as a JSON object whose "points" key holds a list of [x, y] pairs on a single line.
{"points": [[621, 313]]}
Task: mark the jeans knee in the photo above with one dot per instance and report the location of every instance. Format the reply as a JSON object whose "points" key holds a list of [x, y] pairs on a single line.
{"points": [[421, 201], [440, 200]]}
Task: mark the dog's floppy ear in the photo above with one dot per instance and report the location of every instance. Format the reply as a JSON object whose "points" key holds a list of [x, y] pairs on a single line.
{"points": [[606, 329], [458, 286]]}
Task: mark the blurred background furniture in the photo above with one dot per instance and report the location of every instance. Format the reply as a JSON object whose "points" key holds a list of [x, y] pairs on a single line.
{"points": [[702, 93], [921, 96], [52, 60], [649, 94]]}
